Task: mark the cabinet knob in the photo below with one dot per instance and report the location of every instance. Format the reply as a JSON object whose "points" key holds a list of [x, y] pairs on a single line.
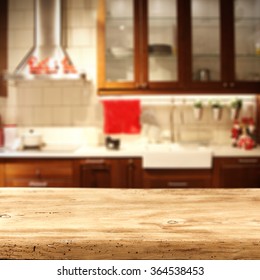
{"points": [[40, 184], [144, 85], [94, 161], [38, 173], [225, 85], [232, 85], [248, 161], [177, 184]]}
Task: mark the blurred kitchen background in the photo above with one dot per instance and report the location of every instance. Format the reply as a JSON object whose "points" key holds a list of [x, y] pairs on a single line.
{"points": [[72, 108]]}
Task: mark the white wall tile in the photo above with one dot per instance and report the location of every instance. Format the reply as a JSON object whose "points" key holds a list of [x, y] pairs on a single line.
{"points": [[11, 115], [72, 95], [42, 116], [21, 19], [77, 18], [79, 58], [12, 99], [52, 96], [25, 116], [79, 116], [86, 4], [62, 116], [30, 96], [81, 37], [91, 116], [15, 56], [20, 5], [21, 38], [89, 96]]}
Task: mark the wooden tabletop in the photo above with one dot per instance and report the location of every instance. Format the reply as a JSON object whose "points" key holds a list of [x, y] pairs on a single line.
{"points": [[129, 223]]}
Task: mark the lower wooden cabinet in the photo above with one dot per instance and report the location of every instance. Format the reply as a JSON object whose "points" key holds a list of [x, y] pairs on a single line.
{"points": [[39, 173], [237, 172], [227, 172], [2, 174], [110, 172], [175, 178]]}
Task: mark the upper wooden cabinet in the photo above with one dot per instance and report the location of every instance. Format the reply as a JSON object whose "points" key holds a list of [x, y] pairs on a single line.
{"points": [[3, 45], [146, 46]]}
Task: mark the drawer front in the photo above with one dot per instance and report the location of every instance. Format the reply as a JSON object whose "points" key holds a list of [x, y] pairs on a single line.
{"points": [[39, 169], [244, 161], [1, 174], [177, 183], [177, 179], [237, 172], [34, 183]]}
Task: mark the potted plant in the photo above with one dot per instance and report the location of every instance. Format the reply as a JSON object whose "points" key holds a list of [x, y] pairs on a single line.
{"points": [[235, 106], [217, 110], [198, 109]]}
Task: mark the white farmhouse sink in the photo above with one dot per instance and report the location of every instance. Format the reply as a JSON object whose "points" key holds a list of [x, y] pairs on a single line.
{"points": [[177, 156]]}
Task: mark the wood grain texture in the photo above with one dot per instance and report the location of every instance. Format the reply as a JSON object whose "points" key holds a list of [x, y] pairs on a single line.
{"points": [[129, 223]]}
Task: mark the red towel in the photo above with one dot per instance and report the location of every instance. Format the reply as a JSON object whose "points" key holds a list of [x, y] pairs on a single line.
{"points": [[122, 116]]}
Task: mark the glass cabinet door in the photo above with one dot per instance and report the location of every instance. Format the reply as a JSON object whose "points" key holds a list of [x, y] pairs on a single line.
{"points": [[119, 41], [247, 40], [206, 45], [162, 41]]}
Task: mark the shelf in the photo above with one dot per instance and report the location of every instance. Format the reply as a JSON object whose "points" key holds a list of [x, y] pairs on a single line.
{"points": [[162, 22], [206, 56], [216, 56], [206, 18], [247, 22], [120, 21], [248, 56], [206, 22], [112, 58], [163, 57], [247, 19]]}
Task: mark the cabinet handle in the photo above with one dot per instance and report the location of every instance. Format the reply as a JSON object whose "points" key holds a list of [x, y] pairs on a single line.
{"points": [[130, 173], [232, 85], [95, 167], [37, 173], [248, 160], [41, 184], [94, 161], [144, 85], [225, 85], [177, 184]]}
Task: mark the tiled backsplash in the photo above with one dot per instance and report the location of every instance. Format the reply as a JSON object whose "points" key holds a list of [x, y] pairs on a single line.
{"points": [[175, 120], [56, 103], [49, 105]]}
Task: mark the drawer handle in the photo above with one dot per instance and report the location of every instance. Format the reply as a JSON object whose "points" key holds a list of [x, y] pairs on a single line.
{"points": [[177, 184], [40, 184], [38, 173], [248, 160], [94, 161]]}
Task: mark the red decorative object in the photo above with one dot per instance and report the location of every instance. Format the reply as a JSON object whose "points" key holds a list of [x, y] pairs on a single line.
{"points": [[243, 134], [50, 66], [122, 116], [246, 142]]}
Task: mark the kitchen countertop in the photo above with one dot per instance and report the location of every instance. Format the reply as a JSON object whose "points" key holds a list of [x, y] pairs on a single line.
{"points": [[125, 151], [129, 223]]}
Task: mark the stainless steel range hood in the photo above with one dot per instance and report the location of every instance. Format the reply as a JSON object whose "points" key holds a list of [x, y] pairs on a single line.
{"points": [[47, 59]]}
